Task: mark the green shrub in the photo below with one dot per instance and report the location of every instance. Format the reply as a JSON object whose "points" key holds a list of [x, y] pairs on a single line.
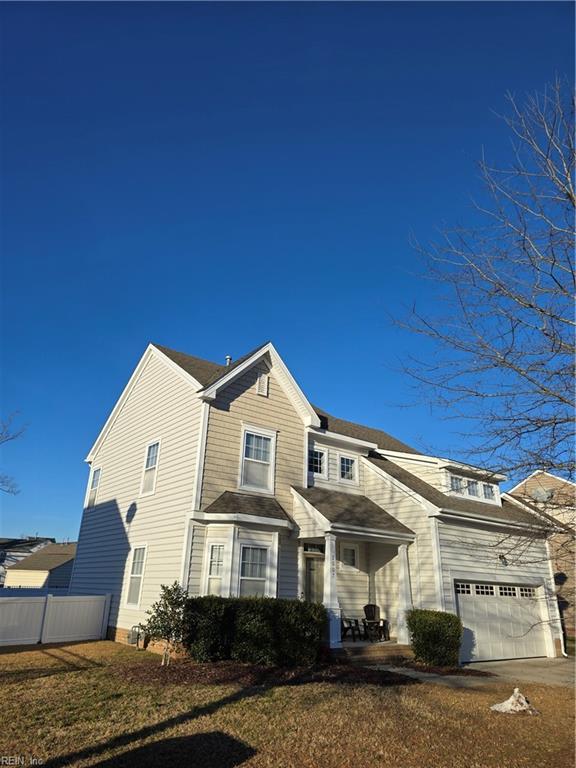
{"points": [[257, 630], [435, 636]]}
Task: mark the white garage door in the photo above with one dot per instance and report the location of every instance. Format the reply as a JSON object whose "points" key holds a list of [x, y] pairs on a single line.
{"points": [[501, 621]]}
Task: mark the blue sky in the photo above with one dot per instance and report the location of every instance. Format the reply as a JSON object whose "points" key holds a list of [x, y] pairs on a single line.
{"points": [[209, 176]]}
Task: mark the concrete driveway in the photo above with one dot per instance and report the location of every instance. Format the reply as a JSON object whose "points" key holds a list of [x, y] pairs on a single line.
{"points": [[546, 671]]}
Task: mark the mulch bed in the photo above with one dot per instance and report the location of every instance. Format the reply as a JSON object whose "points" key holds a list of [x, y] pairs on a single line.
{"points": [[188, 672], [464, 671]]}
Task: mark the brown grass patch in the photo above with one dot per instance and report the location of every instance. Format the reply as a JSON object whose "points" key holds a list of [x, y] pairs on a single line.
{"points": [[109, 705]]}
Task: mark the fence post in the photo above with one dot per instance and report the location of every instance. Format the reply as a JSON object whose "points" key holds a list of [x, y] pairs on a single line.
{"points": [[105, 614], [42, 638]]}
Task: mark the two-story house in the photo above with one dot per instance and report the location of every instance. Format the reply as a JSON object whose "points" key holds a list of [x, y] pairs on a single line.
{"points": [[226, 478]]}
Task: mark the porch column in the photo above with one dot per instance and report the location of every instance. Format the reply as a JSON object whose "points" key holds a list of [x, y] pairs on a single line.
{"points": [[330, 592], [404, 595]]}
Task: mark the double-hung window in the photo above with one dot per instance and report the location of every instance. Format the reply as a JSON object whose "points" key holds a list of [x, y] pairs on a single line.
{"points": [[94, 483], [253, 565], [488, 491], [257, 471], [136, 576], [349, 557], [150, 468]]}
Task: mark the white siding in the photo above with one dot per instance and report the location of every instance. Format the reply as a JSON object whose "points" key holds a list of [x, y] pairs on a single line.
{"points": [[384, 562], [161, 405], [406, 508], [429, 472], [287, 566], [353, 586]]}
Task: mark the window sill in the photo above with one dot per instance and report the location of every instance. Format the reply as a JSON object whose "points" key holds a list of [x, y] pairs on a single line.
{"points": [[252, 489]]}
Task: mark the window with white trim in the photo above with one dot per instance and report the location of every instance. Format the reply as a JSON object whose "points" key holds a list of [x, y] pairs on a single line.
{"points": [[136, 576], [317, 462], [150, 468], [253, 571], [463, 588], [488, 491], [456, 484], [347, 469], [258, 461], [349, 556], [94, 483], [262, 384], [215, 569], [527, 592], [484, 589], [507, 591], [472, 488]]}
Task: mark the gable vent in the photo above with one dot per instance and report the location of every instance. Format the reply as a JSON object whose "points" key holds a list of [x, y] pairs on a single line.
{"points": [[262, 384]]}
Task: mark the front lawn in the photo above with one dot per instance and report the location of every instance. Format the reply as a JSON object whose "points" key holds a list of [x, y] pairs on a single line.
{"points": [[108, 705]]}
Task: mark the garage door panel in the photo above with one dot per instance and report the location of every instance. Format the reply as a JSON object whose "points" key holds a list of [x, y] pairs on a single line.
{"points": [[498, 623]]}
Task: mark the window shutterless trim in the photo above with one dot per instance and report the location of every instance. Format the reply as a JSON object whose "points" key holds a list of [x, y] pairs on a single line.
{"points": [[148, 445], [354, 459], [346, 566], [324, 452], [259, 432], [87, 502], [133, 549]]}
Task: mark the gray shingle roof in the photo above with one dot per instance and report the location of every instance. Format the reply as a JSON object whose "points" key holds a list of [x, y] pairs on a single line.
{"points": [[351, 509], [230, 502], [508, 512], [204, 371], [47, 558], [382, 439], [23, 545]]}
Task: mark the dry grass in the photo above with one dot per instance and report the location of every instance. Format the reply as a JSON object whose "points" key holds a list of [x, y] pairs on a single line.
{"points": [[107, 705]]}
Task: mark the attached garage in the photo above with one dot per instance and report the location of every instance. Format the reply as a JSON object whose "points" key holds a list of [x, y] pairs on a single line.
{"points": [[501, 621]]}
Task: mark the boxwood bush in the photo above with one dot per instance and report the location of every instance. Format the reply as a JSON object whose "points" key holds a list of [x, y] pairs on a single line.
{"points": [[435, 636], [259, 630]]}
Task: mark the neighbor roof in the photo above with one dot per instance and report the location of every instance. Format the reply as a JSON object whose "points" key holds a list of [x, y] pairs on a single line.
{"points": [[23, 545], [508, 512], [46, 559], [230, 503], [351, 509]]}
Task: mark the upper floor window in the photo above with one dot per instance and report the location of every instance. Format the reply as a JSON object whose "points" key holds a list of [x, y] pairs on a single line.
{"points": [[253, 566], [348, 469], [258, 461], [488, 491], [150, 468], [456, 483], [94, 483], [317, 462], [472, 488]]}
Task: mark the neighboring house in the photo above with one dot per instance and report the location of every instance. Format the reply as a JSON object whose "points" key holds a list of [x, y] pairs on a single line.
{"points": [[49, 567], [228, 480], [14, 550], [556, 497]]}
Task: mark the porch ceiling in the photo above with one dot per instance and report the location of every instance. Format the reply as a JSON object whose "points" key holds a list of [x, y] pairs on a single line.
{"points": [[353, 512]]}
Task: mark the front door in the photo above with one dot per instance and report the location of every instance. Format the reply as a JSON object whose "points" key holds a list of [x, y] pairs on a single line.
{"points": [[314, 582]]}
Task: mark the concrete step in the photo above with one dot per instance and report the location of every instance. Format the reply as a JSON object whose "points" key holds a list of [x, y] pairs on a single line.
{"points": [[374, 652]]}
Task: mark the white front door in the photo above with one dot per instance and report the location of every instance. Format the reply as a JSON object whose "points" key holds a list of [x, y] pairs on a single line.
{"points": [[501, 621]]}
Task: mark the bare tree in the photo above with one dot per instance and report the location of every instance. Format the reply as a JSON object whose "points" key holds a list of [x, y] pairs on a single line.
{"points": [[8, 433], [505, 335]]}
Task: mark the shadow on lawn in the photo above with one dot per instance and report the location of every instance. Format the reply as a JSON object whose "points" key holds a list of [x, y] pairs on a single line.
{"points": [[69, 662], [260, 681], [210, 750]]}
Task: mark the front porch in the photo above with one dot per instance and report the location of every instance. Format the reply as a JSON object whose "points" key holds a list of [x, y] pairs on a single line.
{"points": [[352, 553]]}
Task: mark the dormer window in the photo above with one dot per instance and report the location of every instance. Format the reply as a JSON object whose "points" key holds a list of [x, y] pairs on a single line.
{"points": [[317, 462], [456, 484], [488, 491], [472, 488]]}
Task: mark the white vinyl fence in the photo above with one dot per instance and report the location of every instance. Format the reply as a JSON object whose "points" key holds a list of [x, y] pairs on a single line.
{"points": [[50, 619]]}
